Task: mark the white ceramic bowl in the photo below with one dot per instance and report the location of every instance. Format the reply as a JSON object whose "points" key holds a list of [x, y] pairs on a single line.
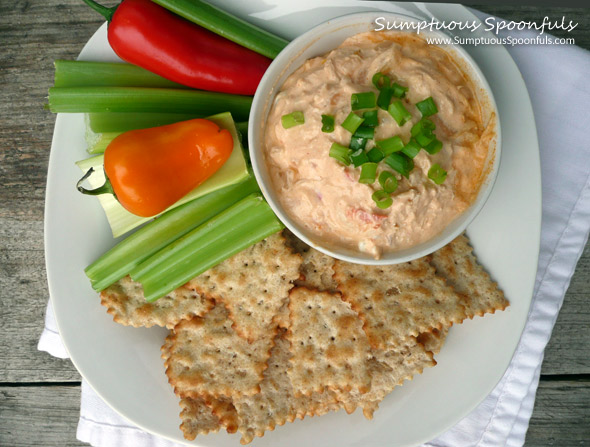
{"points": [[319, 41]]}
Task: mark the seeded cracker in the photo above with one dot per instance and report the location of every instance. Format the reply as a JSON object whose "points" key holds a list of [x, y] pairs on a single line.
{"points": [[317, 269], [389, 369], [433, 340], [253, 285], [276, 403], [398, 301], [125, 301], [204, 356], [197, 418], [459, 266], [328, 346]]}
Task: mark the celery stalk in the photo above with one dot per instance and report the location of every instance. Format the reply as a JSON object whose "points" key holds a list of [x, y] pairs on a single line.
{"points": [[143, 99], [122, 221], [122, 122], [127, 254], [238, 227], [86, 73], [227, 25]]}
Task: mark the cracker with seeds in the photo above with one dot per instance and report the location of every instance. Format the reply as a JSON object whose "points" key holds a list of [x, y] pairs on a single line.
{"points": [[388, 369], [276, 403], [317, 269], [398, 301], [457, 263], [197, 418], [253, 285], [328, 346], [433, 340], [204, 356], [125, 301]]}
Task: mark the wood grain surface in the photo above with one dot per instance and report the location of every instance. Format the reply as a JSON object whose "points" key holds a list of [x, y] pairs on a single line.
{"points": [[39, 394]]}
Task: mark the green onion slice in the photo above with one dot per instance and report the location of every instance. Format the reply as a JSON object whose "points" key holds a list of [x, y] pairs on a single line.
{"points": [[359, 158], [384, 98], [352, 122], [381, 81], [357, 143], [437, 174], [427, 107], [411, 149], [390, 145], [399, 91], [368, 173], [365, 132], [382, 199], [327, 123], [292, 119], [434, 147], [400, 163], [340, 153], [388, 181], [375, 155], [425, 138], [424, 125], [399, 113], [371, 118], [365, 100]]}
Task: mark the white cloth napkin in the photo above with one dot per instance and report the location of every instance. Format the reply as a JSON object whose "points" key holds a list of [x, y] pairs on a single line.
{"points": [[556, 77]]}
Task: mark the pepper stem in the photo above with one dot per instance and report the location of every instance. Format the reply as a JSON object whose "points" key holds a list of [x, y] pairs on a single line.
{"points": [[107, 188], [107, 13]]}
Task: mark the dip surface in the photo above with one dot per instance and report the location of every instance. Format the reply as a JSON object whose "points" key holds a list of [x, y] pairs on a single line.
{"points": [[324, 196]]}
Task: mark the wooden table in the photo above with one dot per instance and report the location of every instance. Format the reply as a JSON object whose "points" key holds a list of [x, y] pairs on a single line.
{"points": [[40, 395]]}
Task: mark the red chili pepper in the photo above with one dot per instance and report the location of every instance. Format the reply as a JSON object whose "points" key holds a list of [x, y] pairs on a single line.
{"points": [[145, 34]]}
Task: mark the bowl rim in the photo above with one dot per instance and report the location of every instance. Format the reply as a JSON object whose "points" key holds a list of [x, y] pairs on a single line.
{"points": [[268, 88]]}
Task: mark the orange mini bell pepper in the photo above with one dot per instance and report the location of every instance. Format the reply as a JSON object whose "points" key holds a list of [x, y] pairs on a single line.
{"points": [[148, 170]]}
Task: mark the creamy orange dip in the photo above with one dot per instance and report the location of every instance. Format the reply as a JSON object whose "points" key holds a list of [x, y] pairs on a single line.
{"points": [[325, 196]]}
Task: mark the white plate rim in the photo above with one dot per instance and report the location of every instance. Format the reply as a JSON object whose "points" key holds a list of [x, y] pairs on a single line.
{"points": [[56, 276]]}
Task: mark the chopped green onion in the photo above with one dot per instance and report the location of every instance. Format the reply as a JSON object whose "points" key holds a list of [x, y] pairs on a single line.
{"points": [[411, 149], [375, 155], [434, 147], [238, 227], [388, 181], [427, 107], [357, 143], [399, 113], [399, 91], [381, 81], [437, 174], [390, 145], [382, 199], [384, 98], [340, 153], [292, 119], [424, 138], [365, 100], [423, 125], [368, 173], [400, 163], [352, 122], [327, 123], [365, 132], [371, 118], [359, 158]]}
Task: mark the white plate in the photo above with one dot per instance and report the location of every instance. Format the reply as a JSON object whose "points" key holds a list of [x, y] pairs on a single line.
{"points": [[123, 364]]}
